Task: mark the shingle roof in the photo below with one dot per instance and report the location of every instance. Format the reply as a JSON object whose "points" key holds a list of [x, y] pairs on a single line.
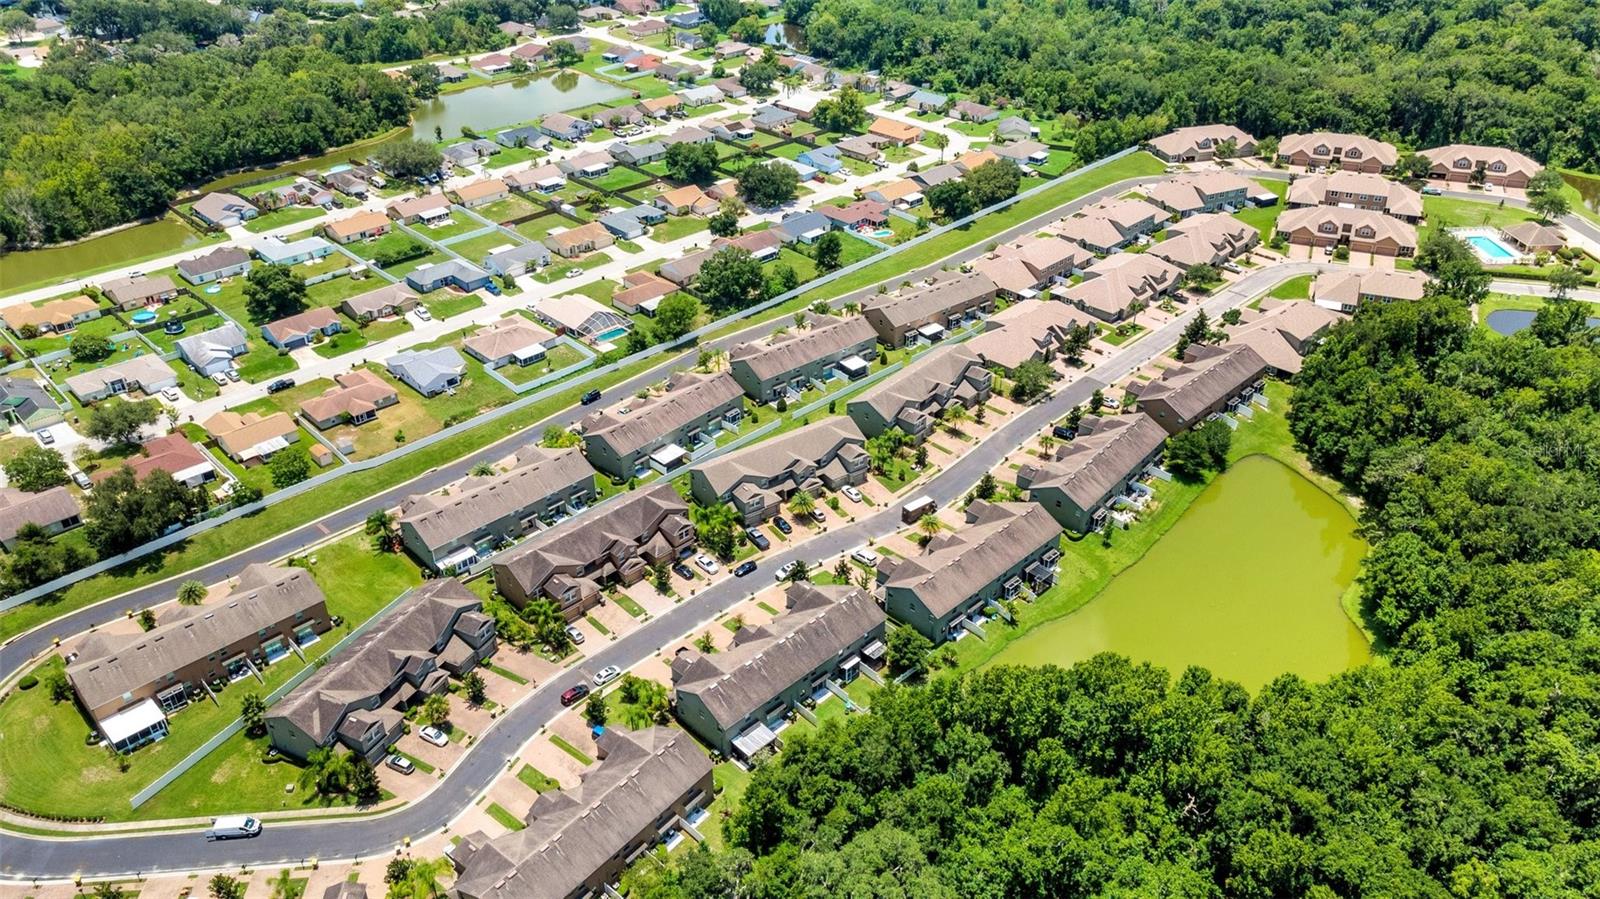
{"points": [[171, 454], [1369, 148], [476, 502], [1190, 192], [1105, 451], [144, 370], [355, 393], [1182, 140], [804, 446], [1118, 281], [376, 300], [820, 622], [1366, 224], [775, 355], [967, 560], [689, 396], [1349, 287], [425, 365], [629, 519], [213, 345], [1194, 386], [1024, 329], [937, 372], [1314, 190], [315, 318], [236, 433], [1511, 160], [18, 508], [505, 337], [214, 261], [948, 291], [56, 312]]}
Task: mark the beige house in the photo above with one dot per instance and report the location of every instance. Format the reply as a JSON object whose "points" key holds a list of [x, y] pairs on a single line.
{"points": [[1362, 230], [1121, 285], [1206, 239], [1331, 149], [1027, 330], [1358, 190], [354, 399], [926, 311], [135, 291], [361, 226], [1501, 167], [1345, 291], [251, 438], [1199, 143], [574, 242], [51, 317]]}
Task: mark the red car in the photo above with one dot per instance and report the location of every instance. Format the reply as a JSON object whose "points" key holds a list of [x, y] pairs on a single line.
{"points": [[573, 694]]}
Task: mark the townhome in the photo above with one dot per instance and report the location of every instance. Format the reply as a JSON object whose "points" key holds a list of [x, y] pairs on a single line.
{"points": [[1028, 330], [482, 193], [1201, 192], [663, 430], [926, 311], [128, 684], [135, 291], [428, 372], [736, 700], [1346, 291], [211, 352], [1281, 333], [574, 242], [1110, 225], [54, 510], [1200, 143], [513, 340], [147, 374], [914, 399], [1362, 230], [1212, 379], [1119, 286], [759, 479], [1460, 163], [275, 251], [391, 299], [1031, 264], [1002, 548], [545, 179], [251, 438], [26, 403], [52, 317], [452, 530], [578, 841], [361, 226], [223, 262], [220, 210], [173, 454], [572, 563], [1206, 239], [427, 209], [302, 328], [354, 399], [1360, 190], [1331, 149], [789, 361], [357, 700], [1079, 484]]}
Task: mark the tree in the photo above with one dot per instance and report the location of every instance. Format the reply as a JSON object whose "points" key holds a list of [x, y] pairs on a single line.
{"points": [[987, 487], [937, 140], [436, 710], [122, 512], [1550, 206], [147, 620], [767, 185], [676, 315], [191, 593], [566, 56], [730, 278], [1455, 268], [827, 250], [549, 626], [845, 111], [105, 889], [119, 423], [408, 158], [272, 292], [1190, 454], [842, 570], [1201, 276], [716, 527], [37, 558], [224, 887], [1561, 321], [722, 13], [1198, 330], [1563, 281], [477, 690], [424, 79], [362, 781], [35, 469], [289, 467], [557, 437], [87, 349], [692, 163], [1031, 379], [661, 576], [802, 504], [383, 530], [784, 278], [798, 574], [595, 711], [929, 525], [907, 649], [421, 880], [483, 470], [723, 224], [757, 77], [1097, 401], [563, 17], [993, 182], [1077, 343], [253, 709], [951, 199], [16, 24]]}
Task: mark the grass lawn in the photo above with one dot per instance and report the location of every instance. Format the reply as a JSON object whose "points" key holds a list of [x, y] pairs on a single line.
{"points": [[510, 156], [677, 227], [475, 248], [334, 291], [571, 750], [506, 673], [100, 328], [406, 268], [369, 249], [504, 818], [511, 207], [263, 362], [445, 303], [1265, 218], [1449, 212], [354, 337], [540, 228], [557, 271], [626, 603], [729, 782], [1296, 288], [554, 360], [277, 218], [619, 179], [537, 780]]}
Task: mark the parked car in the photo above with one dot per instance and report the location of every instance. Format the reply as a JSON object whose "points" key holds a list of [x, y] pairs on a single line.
{"points": [[82, 480], [786, 568], [171, 395], [435, 736], [1062, 432], [852, 494], [746, 567], [758, 538], [607, 675], [400, 763], [280, 385], [574, 272], [1432, 191], [592, 396], [782, 524], [47, 437], [707, 564], [1112, 403], [220, 378], [233, 826], [423, 314], [865, 556], [817, 516], [574, 694], [575, 635], [232, 373], [682, 570]]}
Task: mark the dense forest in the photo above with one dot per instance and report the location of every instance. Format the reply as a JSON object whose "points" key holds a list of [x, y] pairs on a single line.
{"points": [[1424, 72], [1465, 764], [173, 92]]}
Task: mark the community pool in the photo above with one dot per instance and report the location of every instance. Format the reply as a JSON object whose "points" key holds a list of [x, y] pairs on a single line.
{"points": [[1490, 249], [613, 334]]}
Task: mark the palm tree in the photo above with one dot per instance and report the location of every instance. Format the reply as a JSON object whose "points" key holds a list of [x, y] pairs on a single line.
{"points": [[327, 771], [422, 880], [436, 709], [381, 527], [792, 82], [482, 470], [938, 141], [930, 525], [801, 504], [284, 886], [191, 592]]}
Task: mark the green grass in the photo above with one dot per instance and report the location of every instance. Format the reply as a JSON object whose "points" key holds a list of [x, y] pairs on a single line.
{"points": [[354, 337], [1296, 288], [447, 304], [595, 623], [1449, 212], [730, 782], [537, 780], [421, 765], [571, 750], [511, 207], [507, 673], [628, 605], [677, 227], [504, 818], [1265, 218], [288, 215]]}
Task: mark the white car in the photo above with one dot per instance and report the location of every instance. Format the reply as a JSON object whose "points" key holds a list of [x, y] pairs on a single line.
{"points": [[575, 635], [607, 675], [171, 395], [865, 556], [852, 494], [220, 378], [1112, 403], [423, 314], [574, 272], [435, 736], [787, 567], [707, 564]]}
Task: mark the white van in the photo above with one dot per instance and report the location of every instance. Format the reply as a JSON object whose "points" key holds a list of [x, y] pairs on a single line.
{"points": [[233, 827]]}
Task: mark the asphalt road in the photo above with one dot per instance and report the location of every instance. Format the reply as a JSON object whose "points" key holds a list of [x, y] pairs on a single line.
{"points": [[23, 857]]}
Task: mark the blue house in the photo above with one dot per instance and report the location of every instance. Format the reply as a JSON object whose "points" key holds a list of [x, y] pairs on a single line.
{"points": [[450, 273], [694, 18], [823, 159]]}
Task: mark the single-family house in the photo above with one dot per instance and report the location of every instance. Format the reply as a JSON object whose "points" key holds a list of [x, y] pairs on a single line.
{"points": [[470, 152], [689, 134], [482, 193], [513, 340], [902, 194], [582, 317], [857, 216], [52, 316], [560, 126], [133, 291], [969, 111], [763, 245], [544, 179], [531, 53], [692, 18], [492, 64], [1022, 152], [173, 454], [638, 154], [1346, 152], [276, 251], [428, 209], [26, 402], [686, 200], [772, 118], [516, 259], [302, 328], [664, 429], [642, 291], [1200, 143], [391, 299], [1078, 485], [463, 276], [895, 131], [574, 242], [522, 136], [622, 224], [704, 95], [731, 87], [220, 210], [1013, 128], [660, 107], [592, 164], [928, 101], [354, 399], [146, 374], [927, 310], [823, 159], [646, 28], [251, 438], [428, 372], [865, 147], [213, 351], [361, 226], [54, 510], [223, 262], [804, 227]]}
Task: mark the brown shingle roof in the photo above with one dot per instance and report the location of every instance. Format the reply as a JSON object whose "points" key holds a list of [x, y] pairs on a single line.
{"points": [[969, 559]]}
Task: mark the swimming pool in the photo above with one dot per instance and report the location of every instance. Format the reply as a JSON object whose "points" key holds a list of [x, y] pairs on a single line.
{"points": [[143, 317], [613, 334], [1490, 249]]}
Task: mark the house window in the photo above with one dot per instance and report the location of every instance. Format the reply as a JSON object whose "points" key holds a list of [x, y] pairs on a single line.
{"points": [[1497, 167], [1327, 228]]}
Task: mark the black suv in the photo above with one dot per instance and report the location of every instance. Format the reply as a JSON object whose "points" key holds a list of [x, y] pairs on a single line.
{"points": [[280, 385], [592, 396]]}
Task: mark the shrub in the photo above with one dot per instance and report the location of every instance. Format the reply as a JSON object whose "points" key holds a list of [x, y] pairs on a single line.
{"points": [[28, 682]]}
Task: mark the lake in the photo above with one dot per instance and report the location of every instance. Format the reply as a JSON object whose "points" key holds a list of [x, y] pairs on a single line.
{"points": [[1506, 322], [1587, 186], [28, 267], [484, 109], [1247, 584]]}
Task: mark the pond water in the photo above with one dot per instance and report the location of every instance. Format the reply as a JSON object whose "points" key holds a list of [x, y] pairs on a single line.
{"points": [[1247, 584], [497, 105], [1506, 322], [24, 267], [1587, 186]]}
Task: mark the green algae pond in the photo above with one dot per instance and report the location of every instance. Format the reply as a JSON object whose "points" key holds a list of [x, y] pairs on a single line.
{"points": [[50, 265], [1247, 583]]}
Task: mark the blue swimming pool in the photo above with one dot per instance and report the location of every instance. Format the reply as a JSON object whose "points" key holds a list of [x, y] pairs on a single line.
{"points": [[143, 317], [613, 334], [1491, 249]]}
